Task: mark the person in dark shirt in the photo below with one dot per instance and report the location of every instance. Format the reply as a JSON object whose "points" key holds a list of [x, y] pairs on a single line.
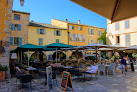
{"points": [[132, 65], [123, 63]]}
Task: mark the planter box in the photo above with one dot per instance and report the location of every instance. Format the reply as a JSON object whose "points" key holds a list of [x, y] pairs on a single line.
{"points": [[2, 75]]}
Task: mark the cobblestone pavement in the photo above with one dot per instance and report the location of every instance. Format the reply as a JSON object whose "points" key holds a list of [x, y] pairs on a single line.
{"points": [[110, 83]]}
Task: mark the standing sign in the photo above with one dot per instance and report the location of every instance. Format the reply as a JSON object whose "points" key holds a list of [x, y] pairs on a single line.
{"points": [[49, 78], [66, 81]]}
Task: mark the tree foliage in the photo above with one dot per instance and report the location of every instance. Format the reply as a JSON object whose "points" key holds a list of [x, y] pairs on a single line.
{"points": [[103, 38]]}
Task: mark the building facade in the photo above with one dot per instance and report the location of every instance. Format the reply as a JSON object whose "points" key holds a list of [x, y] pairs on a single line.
{"points": [[5, 22], [44, 34], [122, 32], [80, 34], [19, 29]]}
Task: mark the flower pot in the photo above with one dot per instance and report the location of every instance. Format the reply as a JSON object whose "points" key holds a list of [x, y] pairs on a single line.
{"points": [[2, 75]]}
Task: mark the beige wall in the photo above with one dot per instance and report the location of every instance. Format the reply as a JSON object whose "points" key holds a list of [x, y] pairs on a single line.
{"points": [[59, 23], [24, 21], [132, 30]]}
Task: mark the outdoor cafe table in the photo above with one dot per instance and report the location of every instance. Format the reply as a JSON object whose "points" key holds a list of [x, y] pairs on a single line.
{"points": [[83, 70], [31, 69]]}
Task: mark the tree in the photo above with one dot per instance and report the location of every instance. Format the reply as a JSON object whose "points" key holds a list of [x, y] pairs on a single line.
{"points": [[103, 38]]}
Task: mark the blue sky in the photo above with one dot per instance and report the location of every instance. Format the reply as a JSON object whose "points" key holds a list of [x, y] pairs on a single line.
{"points": [[42, 11]]}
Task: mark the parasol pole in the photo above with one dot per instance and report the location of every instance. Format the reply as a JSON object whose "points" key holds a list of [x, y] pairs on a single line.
{"points": [[18, 57], [56, 54], [21, 56], [28, 57], [96, 54]]}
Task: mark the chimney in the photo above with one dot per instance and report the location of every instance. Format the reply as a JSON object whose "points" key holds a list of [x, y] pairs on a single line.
{"points": [[66, 19], [32, 21], [78, 21]]}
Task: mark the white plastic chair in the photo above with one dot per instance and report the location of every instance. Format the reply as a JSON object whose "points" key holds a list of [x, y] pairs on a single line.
{"points": [[111, 68], [101, 68]]}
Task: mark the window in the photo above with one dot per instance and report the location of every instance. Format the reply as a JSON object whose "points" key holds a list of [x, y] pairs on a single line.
{"points": [[89, 42], [16, 41], [127, 24], [78, 37], [99, 33], [83, 38], [16, 17], [41, 31], [70, 37], [57, 32], [74, 37], [117, 40], [91, 31], [57, 40], [117, 26], [41, 41], [80, 28], [16, 27], [127, 39], [70, 27], [73, 27], [92, 41]]}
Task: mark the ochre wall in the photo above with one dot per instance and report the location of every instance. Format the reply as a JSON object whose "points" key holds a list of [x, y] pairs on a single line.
{"points": [[48, 38]]}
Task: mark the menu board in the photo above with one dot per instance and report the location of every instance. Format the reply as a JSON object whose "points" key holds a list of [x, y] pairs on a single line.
{"points": [[66, 81], [49, 78]]}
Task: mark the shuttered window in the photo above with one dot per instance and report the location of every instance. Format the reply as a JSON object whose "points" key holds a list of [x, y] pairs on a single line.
{"points": [[92, 41], [41, 31], [57, 40], [117, 25], [70, 37], [127, 24], [40, 41], [127, 39], [57, 32], [16, 41], [11, 40], [16, 27], [83, 38]]}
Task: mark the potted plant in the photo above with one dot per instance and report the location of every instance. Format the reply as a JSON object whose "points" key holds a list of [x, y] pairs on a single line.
{"points": [[2, 71]]}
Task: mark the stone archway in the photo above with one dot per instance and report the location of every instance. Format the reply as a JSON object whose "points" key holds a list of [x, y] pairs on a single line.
{"points": [[77, 54], [60, 55], [40, 55]]}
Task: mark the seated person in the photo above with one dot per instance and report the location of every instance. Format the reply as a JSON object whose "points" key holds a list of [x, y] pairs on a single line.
{"points": [[18, 70]]}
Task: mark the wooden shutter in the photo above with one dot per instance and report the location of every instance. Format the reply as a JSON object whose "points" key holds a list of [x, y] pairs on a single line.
{"points": [[89, 32], [12, 26], [19, 28], [20, 41], [38, 30], [60, 32], [83, 38], [70, 27], [88, 41], [127, 39], [57, 40], [44, 31], [11, 40], [92, 31], [55, 32], [70, 37]]}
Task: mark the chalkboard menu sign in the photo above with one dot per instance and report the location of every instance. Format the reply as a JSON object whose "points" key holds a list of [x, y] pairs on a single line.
{"points": [[49, 78], [66, 81]]}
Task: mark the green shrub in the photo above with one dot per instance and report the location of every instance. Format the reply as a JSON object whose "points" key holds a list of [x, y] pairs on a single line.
{"points": [[3, 68]]}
